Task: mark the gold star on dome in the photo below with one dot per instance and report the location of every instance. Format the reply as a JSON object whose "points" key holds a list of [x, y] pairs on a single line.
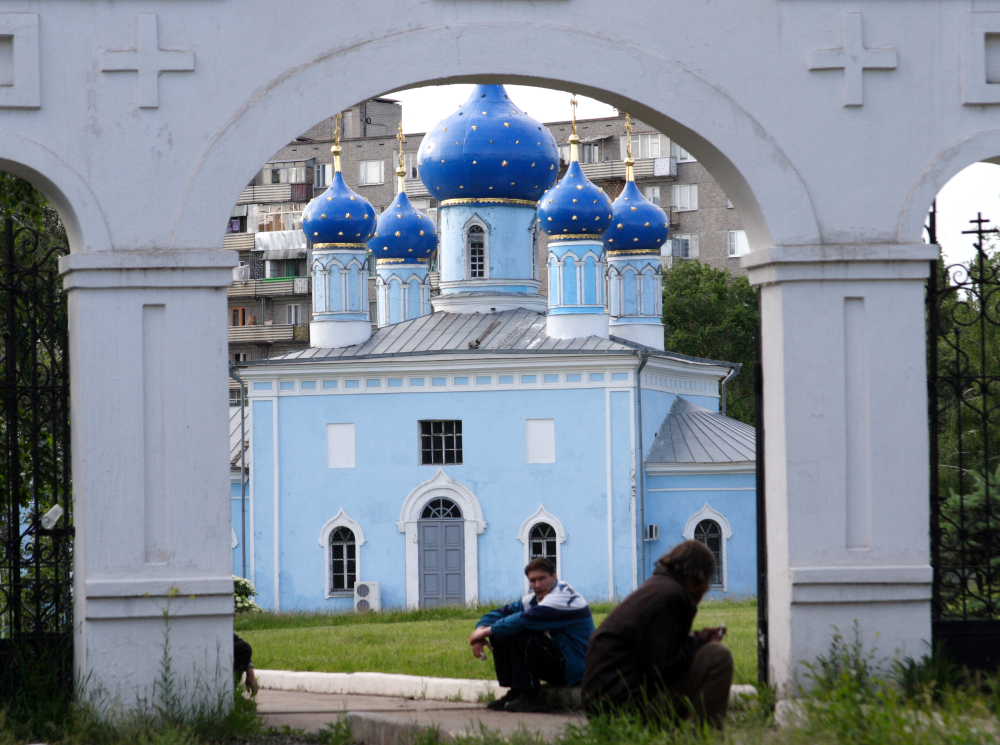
{"points": [[503, 163], [475, 127], [347, 214], [421, 232], [399, 233], [506, 124]]}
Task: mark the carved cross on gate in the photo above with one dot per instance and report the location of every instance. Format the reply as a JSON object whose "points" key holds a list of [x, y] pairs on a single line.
{"points": [[148, 60], [854, 58]]}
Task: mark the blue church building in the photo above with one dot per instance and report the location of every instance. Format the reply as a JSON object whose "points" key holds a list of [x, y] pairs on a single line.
{"points": [[429, 460]]}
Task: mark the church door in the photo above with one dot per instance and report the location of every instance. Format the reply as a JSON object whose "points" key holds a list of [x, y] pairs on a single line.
{"points": [[441, 532]]}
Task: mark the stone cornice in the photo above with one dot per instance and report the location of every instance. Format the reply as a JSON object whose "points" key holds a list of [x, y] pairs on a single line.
{"points": [[853, 262]]}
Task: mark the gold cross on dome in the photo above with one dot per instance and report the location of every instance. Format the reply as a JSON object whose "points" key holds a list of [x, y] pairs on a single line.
{"points": [[573, 103], [402, 141]]}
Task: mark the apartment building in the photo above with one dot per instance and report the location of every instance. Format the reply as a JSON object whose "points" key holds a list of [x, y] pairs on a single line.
{"points": [[270, 299]]}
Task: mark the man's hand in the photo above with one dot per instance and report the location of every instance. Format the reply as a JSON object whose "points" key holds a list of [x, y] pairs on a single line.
{"points": [[713, 634], [479, 651], [480, 635]]}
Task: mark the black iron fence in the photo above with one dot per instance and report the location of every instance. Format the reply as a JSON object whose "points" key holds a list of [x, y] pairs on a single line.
{"points": [[963, 313], [35, 505]]}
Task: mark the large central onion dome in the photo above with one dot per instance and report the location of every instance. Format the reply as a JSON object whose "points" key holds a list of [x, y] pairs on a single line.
{"points": [[403, 232], [637, 225], [488, 149], [338, 217]]}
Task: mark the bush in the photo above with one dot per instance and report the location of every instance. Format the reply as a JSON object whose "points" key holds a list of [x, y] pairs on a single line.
{"points": [[243, 596]]}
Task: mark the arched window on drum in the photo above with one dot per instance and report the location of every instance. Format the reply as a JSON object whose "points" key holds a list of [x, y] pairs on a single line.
{"points": [[542, 543], [709, 532]]}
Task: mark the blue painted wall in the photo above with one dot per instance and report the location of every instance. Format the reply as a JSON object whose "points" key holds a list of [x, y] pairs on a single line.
{"points": [[509, 240], [574, 489], [672, 500]]}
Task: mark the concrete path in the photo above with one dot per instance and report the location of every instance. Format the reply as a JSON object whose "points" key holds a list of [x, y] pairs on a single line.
{"points": [[394, 720]]}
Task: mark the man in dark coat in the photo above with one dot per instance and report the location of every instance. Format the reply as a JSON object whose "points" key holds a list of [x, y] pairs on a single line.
{"points": [[645, 660]]}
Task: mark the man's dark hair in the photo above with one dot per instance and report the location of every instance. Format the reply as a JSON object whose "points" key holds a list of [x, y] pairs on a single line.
{"points": [[689, 561], [540, 565]]}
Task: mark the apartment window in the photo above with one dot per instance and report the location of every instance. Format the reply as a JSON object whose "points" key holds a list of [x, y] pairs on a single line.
{"points": [[440, 441], [239, 357], [652, 194], [684, 246], [680, 154], [644, 146], [736, 243], [293, 173], [476, 242], [372, 172], [237, 224], [590, 152], [710, 533], [269, 217], [293, 314], [684, 197], [343, 560], [542, 542], [412, 171], [324, 175], [286, 268], [240, 317]]}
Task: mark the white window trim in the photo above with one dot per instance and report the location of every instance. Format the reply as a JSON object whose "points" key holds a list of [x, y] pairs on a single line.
{"points": [[708, 513], [442, 485], [541, 515], [361, 172], [476, 220], [692, 202], [341, 519]]}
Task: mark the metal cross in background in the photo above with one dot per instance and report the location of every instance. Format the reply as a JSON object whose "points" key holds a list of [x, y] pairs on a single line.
{"points": [[148, 60], [854, 58]]}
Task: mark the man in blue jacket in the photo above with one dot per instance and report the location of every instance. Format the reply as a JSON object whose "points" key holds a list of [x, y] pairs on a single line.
{"points": [[543, 636]]}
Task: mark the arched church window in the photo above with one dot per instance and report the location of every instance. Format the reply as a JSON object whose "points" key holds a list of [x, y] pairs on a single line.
{"points": [[476, 250], [441, 509], [343, 560], [542, 542], [710, 533]]}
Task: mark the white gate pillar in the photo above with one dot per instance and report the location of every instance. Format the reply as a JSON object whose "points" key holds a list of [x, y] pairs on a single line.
{"points": [[846, 448], [152, 577]]}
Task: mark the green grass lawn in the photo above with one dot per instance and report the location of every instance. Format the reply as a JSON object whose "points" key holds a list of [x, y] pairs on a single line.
{"points": [[431, 642]]}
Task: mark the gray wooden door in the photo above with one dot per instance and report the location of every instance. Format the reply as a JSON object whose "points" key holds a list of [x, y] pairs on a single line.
{"points": [[441, 535]]}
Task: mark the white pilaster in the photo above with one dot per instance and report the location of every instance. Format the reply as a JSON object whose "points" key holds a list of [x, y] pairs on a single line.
{"points": [[152, 576], [845, 416]]}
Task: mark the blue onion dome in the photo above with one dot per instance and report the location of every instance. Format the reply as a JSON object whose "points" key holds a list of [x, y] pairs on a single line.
{"points": [[338, 217], [403, 233], [490, 150], [637, 225], [574, 207]]}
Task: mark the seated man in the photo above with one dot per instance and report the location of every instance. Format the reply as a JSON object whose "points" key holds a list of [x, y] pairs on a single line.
{"points": [[644, 658], [541, 637]]}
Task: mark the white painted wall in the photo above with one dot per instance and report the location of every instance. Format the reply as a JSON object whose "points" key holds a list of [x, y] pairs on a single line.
{"points": [[138, 172]]}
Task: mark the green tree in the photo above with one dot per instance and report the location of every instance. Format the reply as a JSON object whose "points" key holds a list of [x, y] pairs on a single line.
{"points": [[709, 312]]}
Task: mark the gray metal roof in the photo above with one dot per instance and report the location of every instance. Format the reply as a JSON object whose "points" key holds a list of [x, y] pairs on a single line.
{"points": [[694, 434], [510, 331]]}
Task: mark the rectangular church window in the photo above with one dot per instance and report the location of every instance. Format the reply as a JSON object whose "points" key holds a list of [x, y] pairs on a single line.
{"points": [[440, 441]]}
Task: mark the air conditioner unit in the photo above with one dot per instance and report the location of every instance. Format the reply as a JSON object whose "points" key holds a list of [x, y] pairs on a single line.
{"points": [[367, 597], [651, 533]]}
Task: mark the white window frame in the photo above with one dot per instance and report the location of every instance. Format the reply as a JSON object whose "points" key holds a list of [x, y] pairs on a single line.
{"points": [[340, 520], [542, 515], [366, 176], [708, 513], [645, 145], [293, 314], [653, 194], [475, 222], [692, 245], [412, 167], [684, 197], [736, 243], [323, 175]]}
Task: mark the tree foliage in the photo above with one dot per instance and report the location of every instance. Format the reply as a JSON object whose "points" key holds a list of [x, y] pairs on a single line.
{"points": [[709, 312]]}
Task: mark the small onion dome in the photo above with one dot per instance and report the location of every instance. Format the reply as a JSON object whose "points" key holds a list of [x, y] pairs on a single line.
{"points": [[338, 215], [574, 206], [488, 149], [637, 225], [403, 232]]}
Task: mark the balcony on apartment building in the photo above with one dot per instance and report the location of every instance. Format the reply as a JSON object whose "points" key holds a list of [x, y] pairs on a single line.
{"points": [[269, 333], [244, 286]]}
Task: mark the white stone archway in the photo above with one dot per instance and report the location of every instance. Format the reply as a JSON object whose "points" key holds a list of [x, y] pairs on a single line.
{"points": [[442, 485]]}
